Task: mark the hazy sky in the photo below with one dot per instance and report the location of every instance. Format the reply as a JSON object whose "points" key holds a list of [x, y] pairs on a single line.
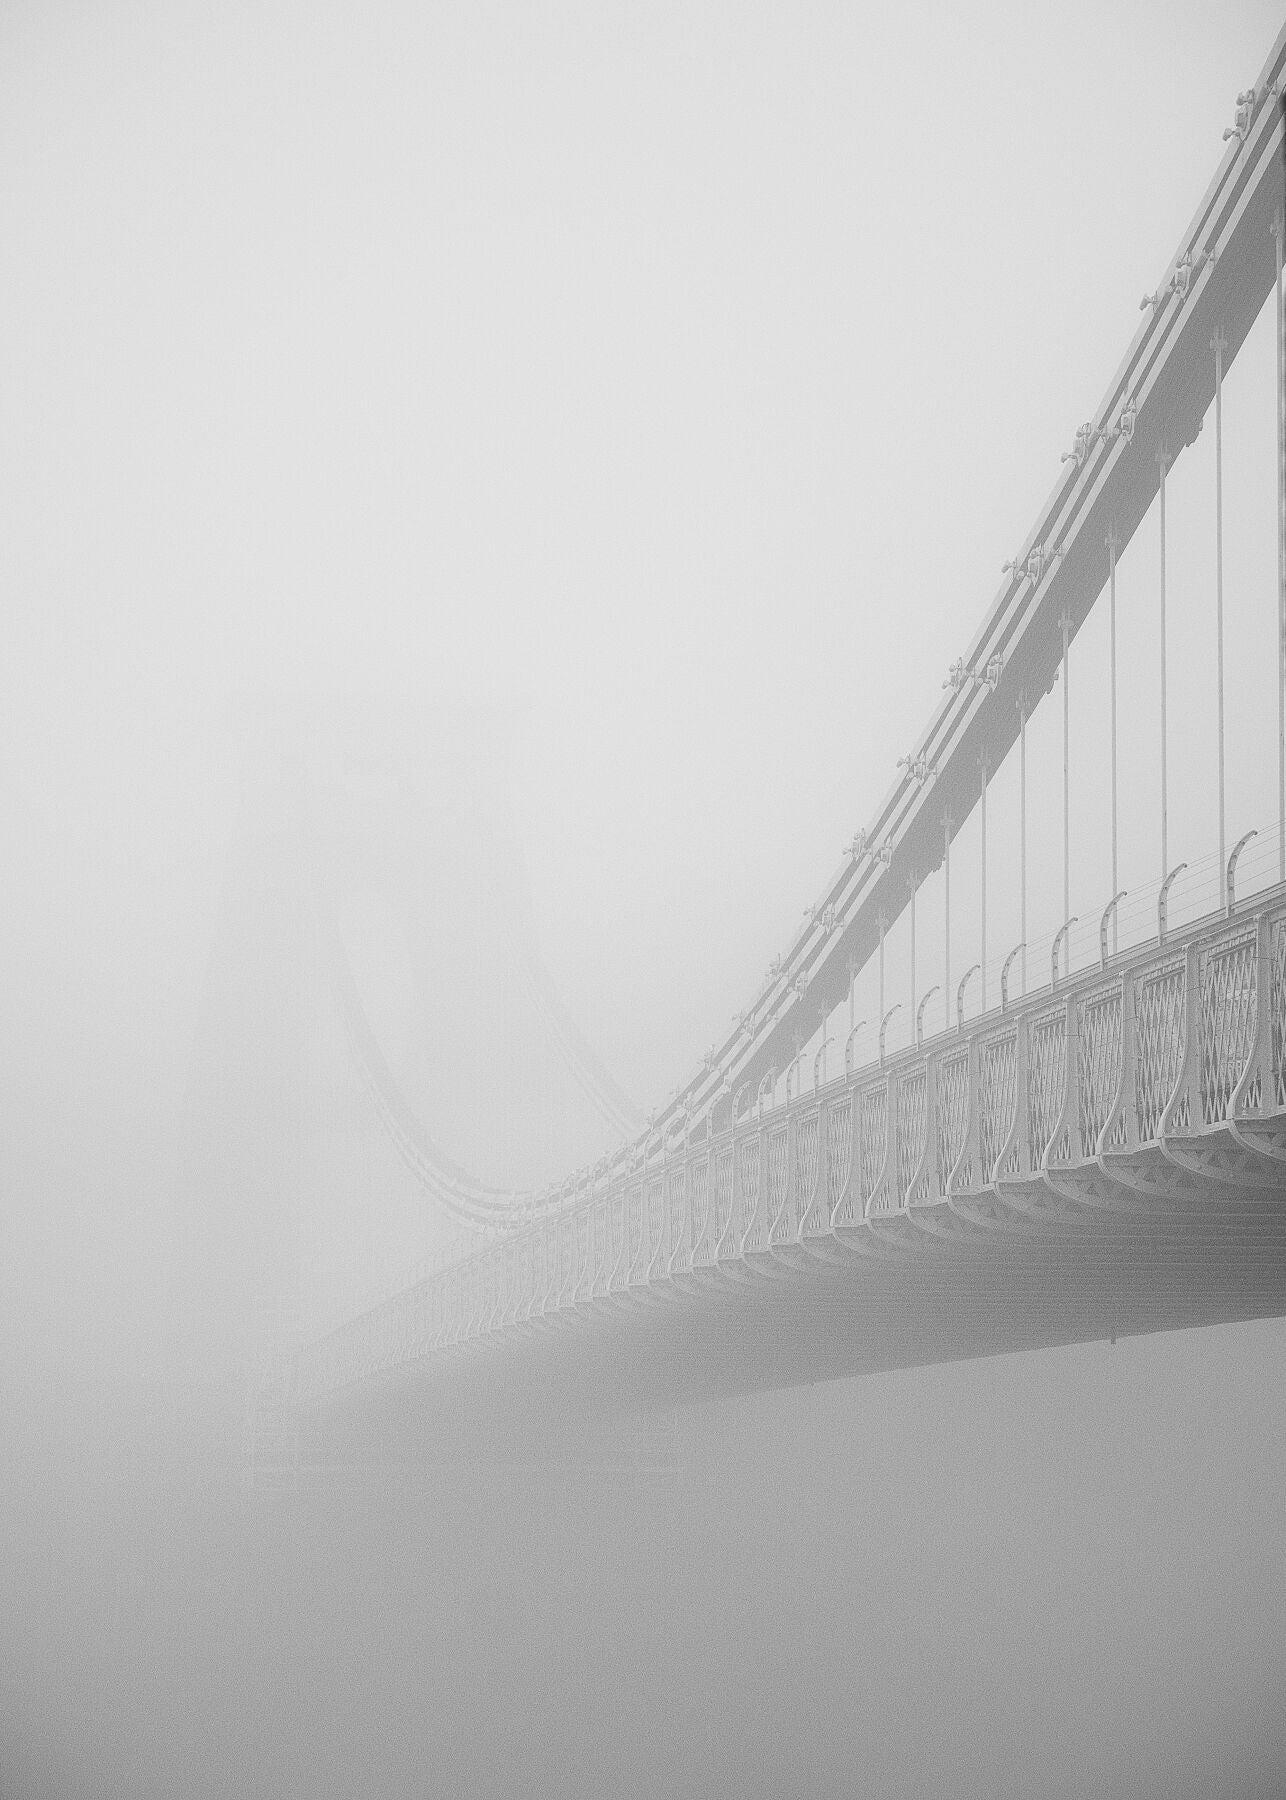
{"points": [[675, 378]]}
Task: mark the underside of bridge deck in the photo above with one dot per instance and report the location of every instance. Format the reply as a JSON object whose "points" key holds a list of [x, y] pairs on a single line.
{"points": [[543, 1387]]}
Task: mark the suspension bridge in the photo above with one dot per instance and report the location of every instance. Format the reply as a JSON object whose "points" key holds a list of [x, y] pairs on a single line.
{"points": [[1082, 1136]]}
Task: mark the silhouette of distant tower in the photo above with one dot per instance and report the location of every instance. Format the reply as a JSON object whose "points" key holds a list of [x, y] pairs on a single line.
{"points": [[394, 832]]}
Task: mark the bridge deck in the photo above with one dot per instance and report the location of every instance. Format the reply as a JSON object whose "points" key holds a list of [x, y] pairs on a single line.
{"points": [[1224, 1260], [1106, 1157]]}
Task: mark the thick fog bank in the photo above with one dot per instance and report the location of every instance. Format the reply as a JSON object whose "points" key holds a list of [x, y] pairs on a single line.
{"points": [[1057, 1574]]}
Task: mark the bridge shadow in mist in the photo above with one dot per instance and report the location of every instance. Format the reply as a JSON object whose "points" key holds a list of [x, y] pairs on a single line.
{"points": [[1021, 1575]]}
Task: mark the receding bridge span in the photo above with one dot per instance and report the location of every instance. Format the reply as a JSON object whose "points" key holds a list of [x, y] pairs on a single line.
{"points": [[1103, 1153]]}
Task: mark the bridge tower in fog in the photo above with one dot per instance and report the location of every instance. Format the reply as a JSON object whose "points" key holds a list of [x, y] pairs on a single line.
{"points": [[374, 885]]}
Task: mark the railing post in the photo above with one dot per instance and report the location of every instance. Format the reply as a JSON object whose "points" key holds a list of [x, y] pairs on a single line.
{"points": [[1188, 1083], [821, 1199], [892, 1183], [758, 1225], [1021, 1135], [929, 1161], [790, 1208], [1193, 1047], [1068, 1120], [725, 1245], [1259, 1063], [970, 1156]]}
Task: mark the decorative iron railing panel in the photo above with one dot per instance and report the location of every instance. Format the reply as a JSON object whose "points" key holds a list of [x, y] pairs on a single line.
{"points": [[952, 1119], [997, 1096], [601, 1268], [616, 1237], [1100, 1053], [1278, 981], [530, 1276], [700, 1178], [1227, 1020], [680, 1252], [913, 1108], [722, 1191], [1160, 1037], [839, 1150], [1046, 1082], [655, 1220], [778, 1172], [807, 1167], [584, 1254], [873, 1120], [748, 1190], [567, 1286]]}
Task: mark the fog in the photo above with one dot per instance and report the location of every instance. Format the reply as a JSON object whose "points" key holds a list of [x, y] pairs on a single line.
{"points": [[558, 452]]}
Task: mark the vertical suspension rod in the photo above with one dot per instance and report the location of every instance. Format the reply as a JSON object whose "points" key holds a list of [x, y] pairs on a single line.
{"points": [[1113, 546], [1218, 344], [882, 922], [983, 820], [1280, 229], [1022, 835], [1066, 624], [946, 922], [913, 887], [1162, 460]]}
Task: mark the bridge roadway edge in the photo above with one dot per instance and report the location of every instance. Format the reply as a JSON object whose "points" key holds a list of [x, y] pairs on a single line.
{"points": [[548, 1383]]}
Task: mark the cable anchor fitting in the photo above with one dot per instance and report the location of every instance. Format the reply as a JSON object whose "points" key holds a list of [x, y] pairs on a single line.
{"points": [[1084, 441], [1244, 112], [1124, 427], [917, 767], [824, 916], [1181, 279], [1040, 559]]}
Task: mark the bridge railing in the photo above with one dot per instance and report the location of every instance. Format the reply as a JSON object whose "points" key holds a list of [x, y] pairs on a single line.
{"points": [[1163, 1065]]}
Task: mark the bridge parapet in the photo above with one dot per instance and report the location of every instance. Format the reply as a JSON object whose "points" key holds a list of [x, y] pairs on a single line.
{"points": [[1146, 1085]]}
